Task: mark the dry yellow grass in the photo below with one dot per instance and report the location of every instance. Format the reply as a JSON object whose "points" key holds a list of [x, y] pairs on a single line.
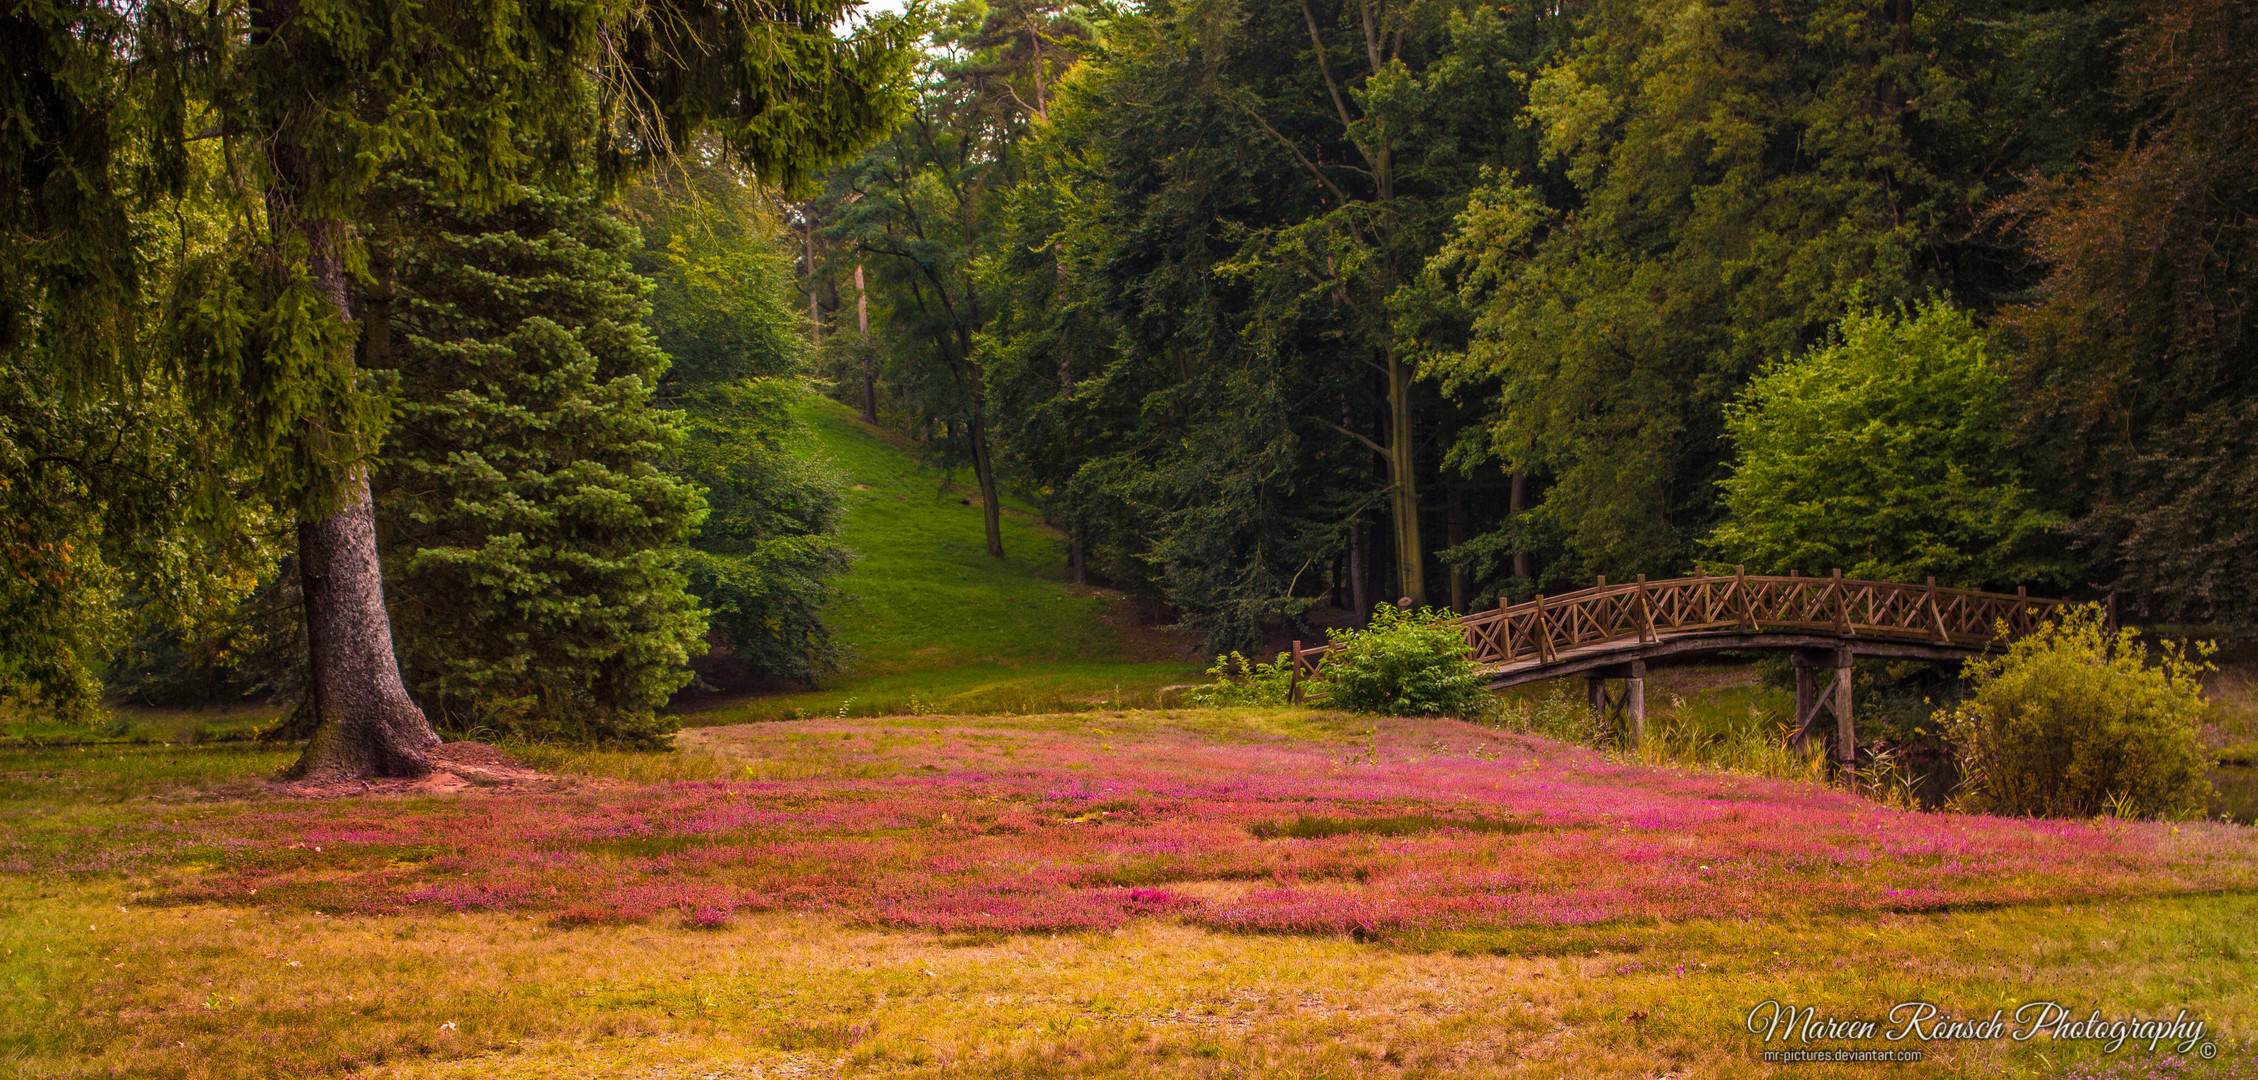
{"points": [[119, 990]]}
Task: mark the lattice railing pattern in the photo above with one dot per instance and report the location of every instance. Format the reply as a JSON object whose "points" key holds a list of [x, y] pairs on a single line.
{"points": [[1542, 629]]}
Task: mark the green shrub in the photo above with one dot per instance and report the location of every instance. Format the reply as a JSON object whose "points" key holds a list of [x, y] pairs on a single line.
{"points": [[2075, 720], [1406, 663], [1885, 452], [1240, 682]]}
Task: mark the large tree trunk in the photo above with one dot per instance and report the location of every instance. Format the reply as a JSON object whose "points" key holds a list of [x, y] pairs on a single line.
{"points": [[1360, 602], [991, 509], [365, 724], [815, 312], [1403, 482]]}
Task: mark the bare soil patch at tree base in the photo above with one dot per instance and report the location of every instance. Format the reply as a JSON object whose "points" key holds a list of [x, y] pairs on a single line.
{"points": [[463, 765]]}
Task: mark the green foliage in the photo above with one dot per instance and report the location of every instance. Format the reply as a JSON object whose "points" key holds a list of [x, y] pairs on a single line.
{"points": [[253, 367], [920, 209], [938, 627], [114, 525], [1735, 175], [2139, 351], [1884, 452], [763, 561], [533, 541], [1183, 356], [1240, 682], [1406, 663], [2075, 720]]}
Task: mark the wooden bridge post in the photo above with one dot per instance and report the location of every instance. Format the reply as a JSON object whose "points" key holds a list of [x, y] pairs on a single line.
{"points": [[1842, 604], [1504, 639], [1646, 614], [1544, 632], [1293, 682], [1634, 714], [1846, 734]]}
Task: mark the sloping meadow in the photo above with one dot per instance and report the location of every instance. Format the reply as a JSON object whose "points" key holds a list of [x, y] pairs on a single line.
{"points": [[1267, 822]]}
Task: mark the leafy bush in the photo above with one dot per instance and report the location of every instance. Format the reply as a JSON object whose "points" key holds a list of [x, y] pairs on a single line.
{"points": [[1406, 663], [1240, 682], [2074, 720], [1884, 452]]}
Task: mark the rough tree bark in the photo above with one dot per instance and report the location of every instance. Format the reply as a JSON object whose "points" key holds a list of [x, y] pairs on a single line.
{"points": [[365, 723], [1403, 482]]}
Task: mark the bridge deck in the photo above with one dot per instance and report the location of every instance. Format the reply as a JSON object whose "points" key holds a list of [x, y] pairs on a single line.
{"points": [[1604, 658]]}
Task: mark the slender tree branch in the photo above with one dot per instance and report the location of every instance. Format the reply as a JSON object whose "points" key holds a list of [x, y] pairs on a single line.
{"points": [[1290, 148], [1340, 104], [1376, 447], [1371, 37]]}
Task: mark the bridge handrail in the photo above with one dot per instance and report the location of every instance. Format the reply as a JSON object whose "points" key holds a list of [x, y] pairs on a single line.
{"points": [[1541, 629]]}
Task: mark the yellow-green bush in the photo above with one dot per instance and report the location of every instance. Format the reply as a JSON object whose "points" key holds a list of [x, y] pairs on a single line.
{"points": [[2075, 719]]}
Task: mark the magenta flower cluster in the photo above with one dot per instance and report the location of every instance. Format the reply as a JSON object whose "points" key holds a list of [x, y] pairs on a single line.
{"points": [[1434, 825]]}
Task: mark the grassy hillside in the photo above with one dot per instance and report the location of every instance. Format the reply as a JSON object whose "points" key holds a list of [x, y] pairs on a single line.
{"points": [[938, 625]]}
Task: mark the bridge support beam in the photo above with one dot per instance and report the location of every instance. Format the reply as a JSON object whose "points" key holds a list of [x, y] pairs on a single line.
{"points": [[1634, 711], [1846, 734], [1834, 698], [1623, 712]]}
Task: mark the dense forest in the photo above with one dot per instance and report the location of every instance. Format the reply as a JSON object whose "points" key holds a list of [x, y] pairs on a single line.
{"points": [[434, 369], [1282, 305]]}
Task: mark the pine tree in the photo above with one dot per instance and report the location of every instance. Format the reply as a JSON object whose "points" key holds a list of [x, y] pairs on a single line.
{"points": [[532, 539]]}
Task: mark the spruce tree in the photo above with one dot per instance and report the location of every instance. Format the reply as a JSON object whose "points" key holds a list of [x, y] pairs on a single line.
{"points": [[532, 540]]}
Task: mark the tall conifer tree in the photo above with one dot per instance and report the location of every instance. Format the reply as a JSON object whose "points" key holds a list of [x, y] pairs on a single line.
{"points": [[532, 537]]}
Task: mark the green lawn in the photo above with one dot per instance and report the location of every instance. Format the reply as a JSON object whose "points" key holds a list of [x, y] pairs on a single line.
{"points": [[938, 625]]}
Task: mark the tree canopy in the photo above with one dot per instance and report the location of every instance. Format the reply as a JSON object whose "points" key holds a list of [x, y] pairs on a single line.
{"points": [[1278, 312]]}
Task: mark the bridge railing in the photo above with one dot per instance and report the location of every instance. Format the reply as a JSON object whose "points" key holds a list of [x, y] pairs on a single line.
{"points": [[1540, 630]]}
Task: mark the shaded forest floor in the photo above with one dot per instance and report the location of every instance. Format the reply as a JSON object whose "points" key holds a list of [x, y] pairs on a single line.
{"points": [[1275, 893], [937, 625]]}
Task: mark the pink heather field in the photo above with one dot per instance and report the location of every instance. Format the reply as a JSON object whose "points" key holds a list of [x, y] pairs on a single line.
{"points": [[1198, 893]]}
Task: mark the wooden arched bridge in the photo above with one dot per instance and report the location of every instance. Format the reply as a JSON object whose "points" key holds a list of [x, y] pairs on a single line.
{"points": [[1613, 631]]}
